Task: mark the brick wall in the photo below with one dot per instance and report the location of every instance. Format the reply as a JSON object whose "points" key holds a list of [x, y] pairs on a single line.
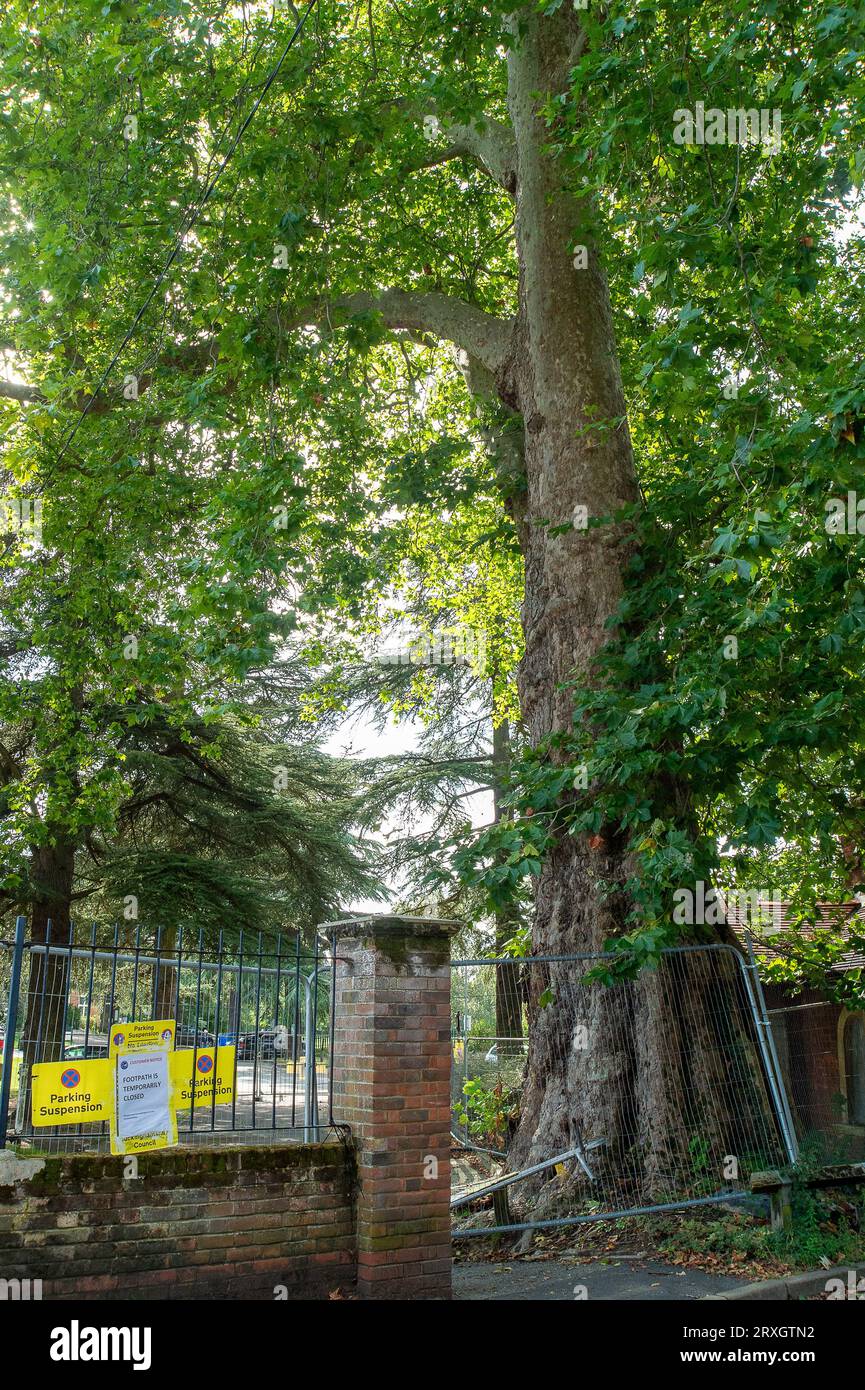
{"points": [[392, 1087], [222, 1223], [805, 1027]]}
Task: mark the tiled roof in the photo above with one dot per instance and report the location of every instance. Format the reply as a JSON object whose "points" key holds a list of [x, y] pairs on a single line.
{"points": [[773, 917]]}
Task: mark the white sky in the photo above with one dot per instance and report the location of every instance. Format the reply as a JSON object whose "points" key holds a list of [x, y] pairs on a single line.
{"points": [[359, 738]]}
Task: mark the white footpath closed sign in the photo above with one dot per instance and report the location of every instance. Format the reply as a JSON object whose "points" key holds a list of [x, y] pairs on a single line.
{"points": [[143, 1094]]}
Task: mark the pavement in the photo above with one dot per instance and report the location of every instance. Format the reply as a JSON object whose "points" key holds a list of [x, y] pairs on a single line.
{"points": [[564, 1281]]}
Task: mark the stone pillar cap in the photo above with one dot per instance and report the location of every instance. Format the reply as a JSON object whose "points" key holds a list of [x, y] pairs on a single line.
{"points": [[389, 924]]}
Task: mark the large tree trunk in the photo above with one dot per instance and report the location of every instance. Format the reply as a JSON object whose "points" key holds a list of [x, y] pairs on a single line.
{"points": [[628, 1079], [52, 870], [51, 873], [165, 1001], [569, 390]]}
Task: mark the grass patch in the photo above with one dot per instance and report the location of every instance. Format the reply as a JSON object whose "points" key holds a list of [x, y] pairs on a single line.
{"points": [[828, 1227]]}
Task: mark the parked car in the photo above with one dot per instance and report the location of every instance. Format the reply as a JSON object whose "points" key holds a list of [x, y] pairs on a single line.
{"points": [[80, 1052], [77, 1046]]}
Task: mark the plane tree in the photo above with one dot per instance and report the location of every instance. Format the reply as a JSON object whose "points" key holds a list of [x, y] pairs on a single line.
{"points": [[652, 340]]}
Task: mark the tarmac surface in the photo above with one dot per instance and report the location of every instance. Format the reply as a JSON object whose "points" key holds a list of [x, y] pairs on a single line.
{"points": [[526, 1280]]}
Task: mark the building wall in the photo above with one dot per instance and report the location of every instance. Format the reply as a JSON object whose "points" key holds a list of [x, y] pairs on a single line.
{"points": [[806, 1029]]}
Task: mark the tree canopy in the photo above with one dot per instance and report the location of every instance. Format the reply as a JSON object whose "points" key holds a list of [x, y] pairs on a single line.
{"points": [[312, 436]]}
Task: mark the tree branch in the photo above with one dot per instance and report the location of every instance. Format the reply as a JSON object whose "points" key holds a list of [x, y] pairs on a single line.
{"points": [[195, 356], [15, 391], [482, 335], [489, 145]]}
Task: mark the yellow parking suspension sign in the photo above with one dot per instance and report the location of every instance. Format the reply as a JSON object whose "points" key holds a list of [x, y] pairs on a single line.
{"points": [[72, 1093], [85, 1092], [157, 1036], [213, 1071]]}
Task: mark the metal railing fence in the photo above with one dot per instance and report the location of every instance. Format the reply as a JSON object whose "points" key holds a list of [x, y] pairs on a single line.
{"points": [[270, 998], [608, 1099]]}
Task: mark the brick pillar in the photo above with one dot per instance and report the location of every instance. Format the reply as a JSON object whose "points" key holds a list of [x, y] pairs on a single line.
{"points": [[392, 1062]]}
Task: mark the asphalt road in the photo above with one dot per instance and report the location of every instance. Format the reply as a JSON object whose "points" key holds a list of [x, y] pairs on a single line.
{"points": [[622, 1280]]}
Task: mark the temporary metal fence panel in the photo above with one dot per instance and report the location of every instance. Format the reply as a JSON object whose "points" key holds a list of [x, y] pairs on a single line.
{"points": [[268, 997], [609, 1099]]}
